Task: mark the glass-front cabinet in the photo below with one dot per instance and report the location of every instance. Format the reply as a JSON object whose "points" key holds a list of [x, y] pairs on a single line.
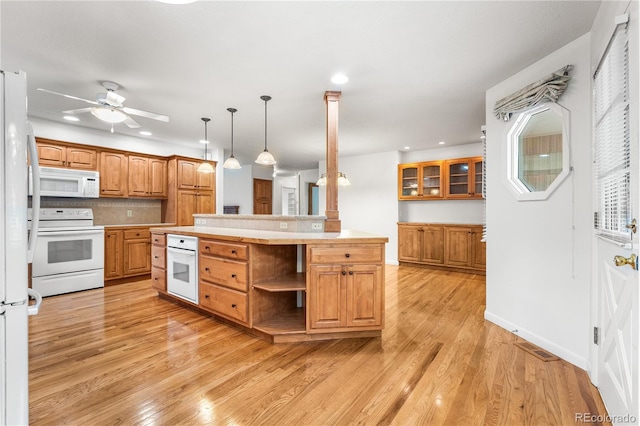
{"points": [[418, 181], [460, 178], [464, 178]]}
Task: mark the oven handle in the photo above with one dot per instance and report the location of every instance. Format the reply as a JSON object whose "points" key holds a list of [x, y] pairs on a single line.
{"points": [[35, 198], [44, 233], [181, 251]]}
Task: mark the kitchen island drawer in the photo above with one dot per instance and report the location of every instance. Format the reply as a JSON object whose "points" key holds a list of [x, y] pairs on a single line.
{"points": [[224, 272], [226, 302], [371, 253], [138, 233], [159, 239], [228, 250], [159, 278], [158, 256]]}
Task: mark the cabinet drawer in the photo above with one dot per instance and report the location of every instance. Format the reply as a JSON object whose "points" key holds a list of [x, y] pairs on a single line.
{"points": [[224, 272], [159, 239], [228, 250], [346, 254], [134, 234], [229, 303], [159, 278], [158, 256]]}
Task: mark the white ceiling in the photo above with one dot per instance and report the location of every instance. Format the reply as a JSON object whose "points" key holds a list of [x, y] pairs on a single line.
{"points": [[418, 70]]}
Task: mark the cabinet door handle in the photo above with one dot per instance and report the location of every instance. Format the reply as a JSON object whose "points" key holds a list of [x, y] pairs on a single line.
{"points": [[344, 273], [347, 255], [233, 305], [233, 275], [155, 257]]}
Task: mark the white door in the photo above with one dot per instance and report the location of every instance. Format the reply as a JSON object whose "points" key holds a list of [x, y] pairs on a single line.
{"points": [[617, 247]]}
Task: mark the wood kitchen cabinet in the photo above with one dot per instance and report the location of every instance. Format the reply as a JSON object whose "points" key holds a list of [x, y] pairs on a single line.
{"points": [[446, 246], [189, 192], [147, 177], [464, 178], [345, 288], [421, 181], [159, 262], [460, 178], [127, 252], [114, 169], [53, 153]]}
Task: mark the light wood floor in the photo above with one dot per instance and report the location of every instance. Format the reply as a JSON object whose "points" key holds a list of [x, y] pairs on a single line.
{"points": [[123, 356]]}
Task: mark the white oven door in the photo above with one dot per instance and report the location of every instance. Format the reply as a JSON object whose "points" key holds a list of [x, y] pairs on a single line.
{"points": [[182, 279], [62, 251]]}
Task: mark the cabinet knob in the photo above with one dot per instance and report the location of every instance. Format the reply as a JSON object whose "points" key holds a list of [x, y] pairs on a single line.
{"points": [[344, 273], [234, 252], [206, 296], [347, 255], [350, 272], [207, 248], [137, 235], [155, 257], [206, 269], [233, 305], [155, 278], [233, 275]]}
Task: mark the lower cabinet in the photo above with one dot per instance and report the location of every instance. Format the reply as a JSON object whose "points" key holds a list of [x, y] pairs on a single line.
{"points": [[127, 252], [458, 247], [345, 287], [159, 261]]}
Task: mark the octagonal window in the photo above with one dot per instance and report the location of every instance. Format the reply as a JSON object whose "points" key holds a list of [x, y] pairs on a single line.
{"points": [[538, 152]]}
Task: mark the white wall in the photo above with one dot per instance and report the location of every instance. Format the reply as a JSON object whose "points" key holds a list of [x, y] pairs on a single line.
{"points": [[306, 177], [370, 204], [238, 189], [539, 252], [280, 182], [442, 211]]}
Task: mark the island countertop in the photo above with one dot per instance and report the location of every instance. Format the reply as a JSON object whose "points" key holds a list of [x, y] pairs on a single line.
{"points": [[274, 237]]}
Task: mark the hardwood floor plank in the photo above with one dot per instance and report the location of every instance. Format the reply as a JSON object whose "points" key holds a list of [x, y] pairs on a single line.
{"points": [[121, 355]]}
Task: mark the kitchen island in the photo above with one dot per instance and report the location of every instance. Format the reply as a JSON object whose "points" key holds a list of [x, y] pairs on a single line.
{"points": [[283, 286]]}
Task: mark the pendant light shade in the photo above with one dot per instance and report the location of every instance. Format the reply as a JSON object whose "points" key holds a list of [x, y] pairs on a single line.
{"points": [[265, 158], [205, 166], [342, 180], [231, 162]]}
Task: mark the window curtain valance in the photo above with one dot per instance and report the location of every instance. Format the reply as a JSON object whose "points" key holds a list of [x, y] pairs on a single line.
{"points": [[548, 89]]}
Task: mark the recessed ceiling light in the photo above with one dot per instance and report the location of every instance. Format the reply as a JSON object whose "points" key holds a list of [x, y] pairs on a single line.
{"points": [[407, 147], [441, 143], [71, 118], [176, 1], [145, 133], [339, 78]]}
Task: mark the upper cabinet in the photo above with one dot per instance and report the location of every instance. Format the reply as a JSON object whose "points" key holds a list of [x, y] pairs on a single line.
{"points": [[436, 180], [420, 181], [464, 178], [58, 154], [190, 178], [147, 177]]}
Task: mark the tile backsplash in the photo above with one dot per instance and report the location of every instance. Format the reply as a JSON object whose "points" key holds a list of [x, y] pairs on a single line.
{"points": [[112, 211]]}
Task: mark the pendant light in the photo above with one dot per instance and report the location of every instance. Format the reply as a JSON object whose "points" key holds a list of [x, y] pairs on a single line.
{"points": [[342, 180], [205, 167], [265, 158], [231, 162]]}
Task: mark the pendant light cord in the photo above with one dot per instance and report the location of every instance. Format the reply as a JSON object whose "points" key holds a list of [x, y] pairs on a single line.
{"points": [[265, 124]]}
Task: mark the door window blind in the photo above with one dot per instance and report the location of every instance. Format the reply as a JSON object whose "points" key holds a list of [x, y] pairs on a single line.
{"points": [[612, 140]]}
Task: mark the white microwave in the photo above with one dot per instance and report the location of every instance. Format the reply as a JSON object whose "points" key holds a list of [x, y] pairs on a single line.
{"points": [[67, 183]]}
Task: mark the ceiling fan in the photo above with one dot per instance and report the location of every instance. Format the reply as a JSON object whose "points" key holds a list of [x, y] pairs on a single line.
{"points": [[108, 107]]}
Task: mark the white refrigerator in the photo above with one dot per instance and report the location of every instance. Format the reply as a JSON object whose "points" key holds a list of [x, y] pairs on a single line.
{"points": [[16, 248]]}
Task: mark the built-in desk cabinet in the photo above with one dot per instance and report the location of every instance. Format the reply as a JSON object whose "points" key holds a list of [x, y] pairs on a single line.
{"points": [[448, 246]]}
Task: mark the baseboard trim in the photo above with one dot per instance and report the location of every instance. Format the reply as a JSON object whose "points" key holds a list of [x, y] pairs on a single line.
{"points": [[555, 349]]}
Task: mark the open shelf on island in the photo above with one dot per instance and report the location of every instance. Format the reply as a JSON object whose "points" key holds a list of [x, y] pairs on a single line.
{"points": [[291, 282], [285, 323]]}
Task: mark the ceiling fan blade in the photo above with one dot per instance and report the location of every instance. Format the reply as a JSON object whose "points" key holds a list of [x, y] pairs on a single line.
{"points": [[146, 114], [77, 111], [114, 99], [69, 96], [131, 123]]}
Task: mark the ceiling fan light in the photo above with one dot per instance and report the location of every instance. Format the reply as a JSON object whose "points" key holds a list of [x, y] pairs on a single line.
{"points": [[266, 158], [231, 163], [109, 115], [205, 167]]}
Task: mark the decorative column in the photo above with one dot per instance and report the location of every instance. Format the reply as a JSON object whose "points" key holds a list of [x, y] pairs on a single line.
{"points": [[332, 223]]}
